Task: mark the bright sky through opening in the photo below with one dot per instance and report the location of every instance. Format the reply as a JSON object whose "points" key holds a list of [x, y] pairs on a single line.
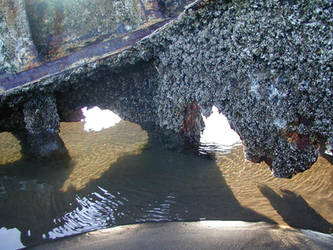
{"points": [[218, 131], [97, 119], [217, 128]]}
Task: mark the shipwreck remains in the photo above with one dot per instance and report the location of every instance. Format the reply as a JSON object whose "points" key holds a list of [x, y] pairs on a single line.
{"points": [[266, 65]]}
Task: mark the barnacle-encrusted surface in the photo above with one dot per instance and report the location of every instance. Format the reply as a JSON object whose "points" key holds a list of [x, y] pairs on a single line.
{"points": [[267, 65]]}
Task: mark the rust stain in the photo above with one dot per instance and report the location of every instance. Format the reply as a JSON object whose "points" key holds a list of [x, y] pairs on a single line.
{"points": [[152, 10], [11, 12], [58, 28], [192, 123], [35, 63], [99, 51], [268, 160], [301, 141]]}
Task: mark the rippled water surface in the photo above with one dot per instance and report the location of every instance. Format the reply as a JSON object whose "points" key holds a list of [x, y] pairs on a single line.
{"points": [[118, 176]]}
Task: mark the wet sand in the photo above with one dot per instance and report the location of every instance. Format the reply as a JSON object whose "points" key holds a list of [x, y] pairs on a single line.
{"points": [[118, 176]]}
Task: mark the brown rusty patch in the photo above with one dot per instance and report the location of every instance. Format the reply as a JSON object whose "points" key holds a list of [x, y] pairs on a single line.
{"points": [[268, 160], [34, 63], [72, 116], [58, 29], [301, 141], [99, 51], [12, 12], [192, 111], [193, 123], [200, 4]]}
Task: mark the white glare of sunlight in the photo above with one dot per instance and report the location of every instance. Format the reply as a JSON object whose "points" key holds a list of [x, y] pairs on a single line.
{"points": [[97, 119], [218, 131], [10, 238], [223, 224], [329, 152]]}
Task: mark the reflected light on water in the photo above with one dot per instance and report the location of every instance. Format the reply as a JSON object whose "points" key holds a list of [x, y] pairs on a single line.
{"points": [[218, 131], [114, 179], [97, 119], [222, 224]]}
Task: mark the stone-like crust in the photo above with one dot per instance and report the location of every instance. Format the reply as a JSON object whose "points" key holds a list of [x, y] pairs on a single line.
{"points": [[267, 65]]}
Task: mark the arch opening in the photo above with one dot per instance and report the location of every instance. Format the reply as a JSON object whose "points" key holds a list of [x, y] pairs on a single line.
{"points": [[96, 119], [218, 135]]}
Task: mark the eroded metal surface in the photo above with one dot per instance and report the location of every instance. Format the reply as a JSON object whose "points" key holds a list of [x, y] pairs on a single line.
{"points": [[52, 35], [107, 48]]}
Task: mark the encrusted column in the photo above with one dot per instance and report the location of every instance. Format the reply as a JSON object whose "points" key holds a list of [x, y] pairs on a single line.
{"points": [[41, 119]]}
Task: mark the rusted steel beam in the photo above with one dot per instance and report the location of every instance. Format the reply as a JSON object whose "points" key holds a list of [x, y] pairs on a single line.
{"points": [[98, 51]]}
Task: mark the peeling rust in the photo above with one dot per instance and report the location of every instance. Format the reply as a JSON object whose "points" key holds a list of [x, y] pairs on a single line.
{"points": [[103, 49], [58, 29], [193, 123], [215, 53], [301, 141]]}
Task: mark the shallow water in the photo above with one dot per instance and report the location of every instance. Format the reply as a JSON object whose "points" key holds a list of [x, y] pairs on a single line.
{"points": [[118, 176]]}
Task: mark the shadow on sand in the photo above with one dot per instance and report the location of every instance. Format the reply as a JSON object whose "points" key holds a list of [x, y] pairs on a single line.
{"points": [[295, 211], [151, 186]]}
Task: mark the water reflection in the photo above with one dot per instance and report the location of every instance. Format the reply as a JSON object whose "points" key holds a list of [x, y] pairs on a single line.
{"points": [[121, 176], [155, 185]]}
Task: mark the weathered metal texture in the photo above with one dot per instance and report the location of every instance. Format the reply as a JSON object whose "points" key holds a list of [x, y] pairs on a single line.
{"points": [[42, 127], [17, 50], [69, 33], [193, 123], [108, 47], [61, 27], [267, 65]]}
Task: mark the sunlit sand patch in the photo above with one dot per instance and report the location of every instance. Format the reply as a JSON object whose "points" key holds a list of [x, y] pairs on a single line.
{"points": [[10, 149], [94, 153], [245, 178]]}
